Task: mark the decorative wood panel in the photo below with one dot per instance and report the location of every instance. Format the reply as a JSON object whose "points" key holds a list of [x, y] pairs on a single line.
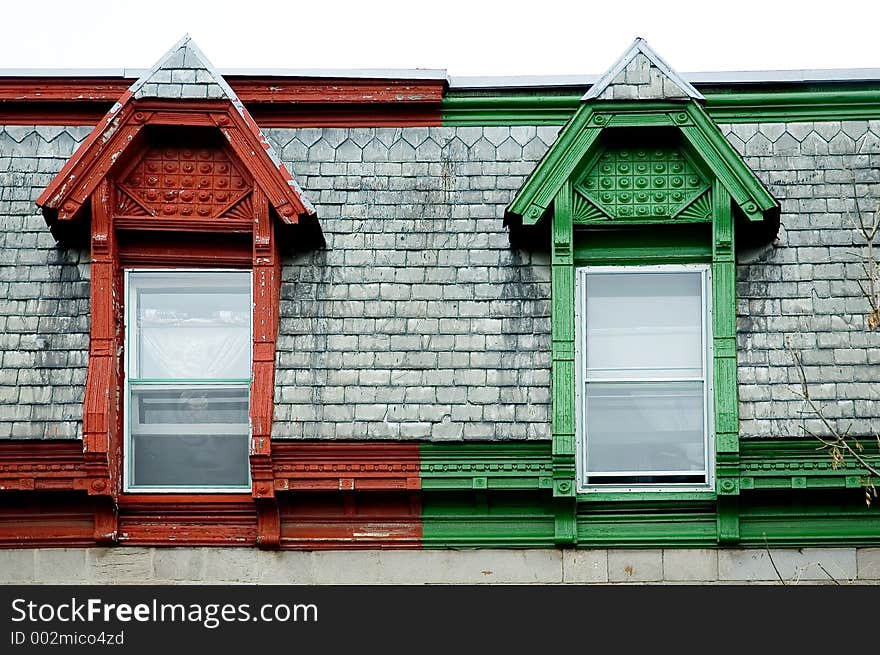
{"points": [[184, 182], [648, 181]]}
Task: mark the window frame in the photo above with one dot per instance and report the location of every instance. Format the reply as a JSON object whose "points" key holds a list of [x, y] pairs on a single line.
{"points": [[581, 272], [130, 350]]}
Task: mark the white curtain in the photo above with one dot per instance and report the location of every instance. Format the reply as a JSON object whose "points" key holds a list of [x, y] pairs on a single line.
{"points": [[195, 352]]}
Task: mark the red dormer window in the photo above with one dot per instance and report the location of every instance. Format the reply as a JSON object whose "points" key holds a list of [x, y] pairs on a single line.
{"points": [[184, 197]]}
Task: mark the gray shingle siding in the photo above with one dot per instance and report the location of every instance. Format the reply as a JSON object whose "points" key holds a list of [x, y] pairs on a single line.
{"points": [[419, 321], [44, 294], [802, 294]]}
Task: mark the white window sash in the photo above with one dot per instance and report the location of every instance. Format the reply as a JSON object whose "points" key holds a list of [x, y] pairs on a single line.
{"points": [[131, 383], [583, 379]]}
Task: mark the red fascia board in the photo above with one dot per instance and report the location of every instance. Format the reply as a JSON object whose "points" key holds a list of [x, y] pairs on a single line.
{"points": [[249, 90]]}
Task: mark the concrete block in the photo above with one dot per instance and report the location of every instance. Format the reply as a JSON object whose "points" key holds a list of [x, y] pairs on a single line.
{"points": [[690, 564], [635, 565], [227, 565], [794, 565], [17, 566], [286, 567], [61, 565], [582, 566], [120, 565], [868, 564], [179, 564]]}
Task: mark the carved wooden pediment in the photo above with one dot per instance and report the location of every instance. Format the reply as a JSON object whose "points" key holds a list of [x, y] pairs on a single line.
{"points": [[184, 178]]}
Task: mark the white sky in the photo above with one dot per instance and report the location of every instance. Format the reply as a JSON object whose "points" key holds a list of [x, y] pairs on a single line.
{"points": [[466, 37]]}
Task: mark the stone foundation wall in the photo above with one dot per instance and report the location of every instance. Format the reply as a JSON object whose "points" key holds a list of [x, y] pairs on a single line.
{"points": [[541, 566]]}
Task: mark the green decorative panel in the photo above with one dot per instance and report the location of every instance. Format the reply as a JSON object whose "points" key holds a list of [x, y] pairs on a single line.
{"points": [[638, 183]]}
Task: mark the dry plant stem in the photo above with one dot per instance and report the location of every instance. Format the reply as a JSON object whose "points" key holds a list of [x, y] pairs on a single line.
{"points": [[869, 262], [825, 571], [837, 438], [772, 562]]}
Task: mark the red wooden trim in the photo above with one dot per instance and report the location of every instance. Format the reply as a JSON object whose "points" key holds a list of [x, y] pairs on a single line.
{"points": [[328, 495], [351, 520], [345, 466], [113, 140], [64, 89], [160, 224], [266, 115], [52, 113], [35, 519], [30, 465], [248, 89], [187, 519], [295, 116]]}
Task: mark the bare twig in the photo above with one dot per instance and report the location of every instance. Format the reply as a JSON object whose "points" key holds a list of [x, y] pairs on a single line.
{"points": [[772, 562], [825, 571]]}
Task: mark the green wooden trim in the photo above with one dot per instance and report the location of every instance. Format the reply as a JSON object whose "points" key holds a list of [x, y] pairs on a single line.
{"points": [[528, 519], [724, 365], [511, 466], [654, 244], [785, 464], [578, 139], [490, 519], [500, 495], [723, 107], [645, 496], [727, 165]]}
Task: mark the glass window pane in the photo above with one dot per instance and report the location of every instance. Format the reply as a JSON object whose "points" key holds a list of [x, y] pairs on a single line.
{"points": [[192, 325], [190, 460], [644, 427], [193, 436], [644, 325]]}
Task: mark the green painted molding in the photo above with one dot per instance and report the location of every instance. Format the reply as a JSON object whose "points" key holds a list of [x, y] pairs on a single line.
{"points": [[764, 464], [476, 466], [723, 107], [798, 464], [579, 139]]}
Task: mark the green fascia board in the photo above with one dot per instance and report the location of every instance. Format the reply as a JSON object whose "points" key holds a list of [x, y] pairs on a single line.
{"points": [[731, 170], [556, 166], [476, 466], [580, 135], [765, 464], [721, 106], [786, 464]]}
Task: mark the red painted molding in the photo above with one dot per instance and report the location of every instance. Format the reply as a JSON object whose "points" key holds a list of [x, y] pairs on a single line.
{"points": [[346, 116], [273, 102], [187, 519], [38, 519], [119, 135], [266, 115], [351, 520], [325, 466], [31, 465], [327, 495], [248, 89]]}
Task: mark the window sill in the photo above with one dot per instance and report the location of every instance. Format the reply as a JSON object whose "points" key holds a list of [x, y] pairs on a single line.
{"points": [[599, 495]]}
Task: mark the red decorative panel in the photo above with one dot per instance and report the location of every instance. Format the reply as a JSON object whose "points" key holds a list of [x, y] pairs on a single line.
{"points": [[350, 520], [192, 520], [34, 520], [345, 466], [183, 182], [42, 465]]}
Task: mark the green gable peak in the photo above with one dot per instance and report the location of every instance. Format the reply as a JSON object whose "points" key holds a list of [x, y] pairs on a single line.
{"points": [[640, 74]]}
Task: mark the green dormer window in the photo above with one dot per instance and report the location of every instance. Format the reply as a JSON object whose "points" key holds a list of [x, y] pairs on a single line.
{"points": [[642, 193]]}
